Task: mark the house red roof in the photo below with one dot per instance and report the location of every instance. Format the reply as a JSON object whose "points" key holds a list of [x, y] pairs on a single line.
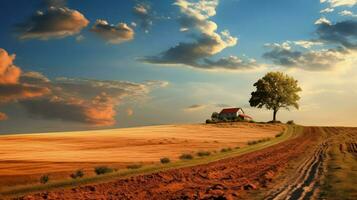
{"points": [[229, 110]]}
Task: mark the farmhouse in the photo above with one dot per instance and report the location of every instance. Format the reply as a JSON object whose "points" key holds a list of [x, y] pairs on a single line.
{"points": [[232, 114]]}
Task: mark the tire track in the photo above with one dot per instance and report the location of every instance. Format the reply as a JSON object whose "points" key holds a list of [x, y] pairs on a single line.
{"points": [[305, 183]]}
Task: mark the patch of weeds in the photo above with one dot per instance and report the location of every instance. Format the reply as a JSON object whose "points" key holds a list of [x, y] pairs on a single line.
{"points": [[226, 150], [134, 166], [44, 179], [186, 156], [279, 134], [258, 141], [203, 153], [77, 174], [103, 170], [165, 160]]}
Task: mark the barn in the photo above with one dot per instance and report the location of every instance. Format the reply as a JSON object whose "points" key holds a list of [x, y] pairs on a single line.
{"points": [[233, 114]]}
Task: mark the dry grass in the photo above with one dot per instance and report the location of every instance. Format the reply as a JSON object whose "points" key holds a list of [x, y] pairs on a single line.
{"points": [[24, 158]]}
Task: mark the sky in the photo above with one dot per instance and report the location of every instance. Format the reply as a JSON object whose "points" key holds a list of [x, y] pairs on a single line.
{"points": [[75, 65]]}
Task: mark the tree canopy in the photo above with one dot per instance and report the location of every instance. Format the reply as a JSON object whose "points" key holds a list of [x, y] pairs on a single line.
{"points": [[274, 91]]}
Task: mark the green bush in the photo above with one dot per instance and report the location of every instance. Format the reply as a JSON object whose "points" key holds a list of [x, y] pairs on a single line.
{"points": [[226, 150], [103, 170], [258, 141], [186, 156], [44, 179], [203, 153], [165, 160], [279, 134], [134, 166], [77, 174]]}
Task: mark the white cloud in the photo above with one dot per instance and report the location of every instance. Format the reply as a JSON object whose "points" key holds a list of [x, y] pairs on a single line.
{"points": [[347, 13], [323, 20], [327, 10], [337, 3]]}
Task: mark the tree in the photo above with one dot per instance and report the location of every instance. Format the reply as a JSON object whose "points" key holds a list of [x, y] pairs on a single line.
{"points": [[276, 90], [215, 116]]}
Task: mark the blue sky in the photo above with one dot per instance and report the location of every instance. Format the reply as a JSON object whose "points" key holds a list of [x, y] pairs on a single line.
{"points": [[262, 36]]}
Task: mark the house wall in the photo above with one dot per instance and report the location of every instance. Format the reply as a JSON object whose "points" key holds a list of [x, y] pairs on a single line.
{"points": [[228, 116]]}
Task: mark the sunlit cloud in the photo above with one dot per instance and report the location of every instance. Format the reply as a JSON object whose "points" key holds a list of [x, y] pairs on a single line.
{"points": [[53, 23], [208, 42], [323, 20], [327, 10], [144, 15], [337, 3], [114, 34]]}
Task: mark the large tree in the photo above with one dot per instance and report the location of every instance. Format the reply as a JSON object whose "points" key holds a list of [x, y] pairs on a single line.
{"points": [[274, 91]]}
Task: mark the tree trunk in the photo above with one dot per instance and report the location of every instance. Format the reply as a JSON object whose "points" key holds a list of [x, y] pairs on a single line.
{"points": [[274, 114]]}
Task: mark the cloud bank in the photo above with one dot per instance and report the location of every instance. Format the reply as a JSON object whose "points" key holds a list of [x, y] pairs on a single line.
{"points": [[92, 102], [206, 42]]}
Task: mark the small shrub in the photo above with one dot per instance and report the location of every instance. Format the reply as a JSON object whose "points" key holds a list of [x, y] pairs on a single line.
{"points": [[103, 170], [252, 142], [208, 121], [203, 153], [77, 174], [279, 134], [237, 147], [134, 166], [226, 150], [290, 122], [186, 156], [44, 179], [258, 141], [165, 160]]}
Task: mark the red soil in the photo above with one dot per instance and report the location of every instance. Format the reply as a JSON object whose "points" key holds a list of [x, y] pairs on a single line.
{"points": [[224, 179]]}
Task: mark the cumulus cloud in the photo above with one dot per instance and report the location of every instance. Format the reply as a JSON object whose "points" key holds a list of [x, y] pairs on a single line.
{"points": [[79, 100], [307, 44], [144, 15], [313, 60], [87, 101], [327, 10], [337, 3], [347, 13], [323, 20], [98, 111], [54, 22], [342, 33], [340, 37], [206, 40], [11, 89], [114, 34]]}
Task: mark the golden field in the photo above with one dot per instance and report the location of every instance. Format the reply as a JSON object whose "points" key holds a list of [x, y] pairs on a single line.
{"points": [[24, 158]]}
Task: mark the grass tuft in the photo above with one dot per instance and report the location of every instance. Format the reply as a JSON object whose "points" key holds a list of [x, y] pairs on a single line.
{"points": [[77, 174], [186, 156], [134, 166], [203, 153], [44, 179], [165, 160], [103, 170]]}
